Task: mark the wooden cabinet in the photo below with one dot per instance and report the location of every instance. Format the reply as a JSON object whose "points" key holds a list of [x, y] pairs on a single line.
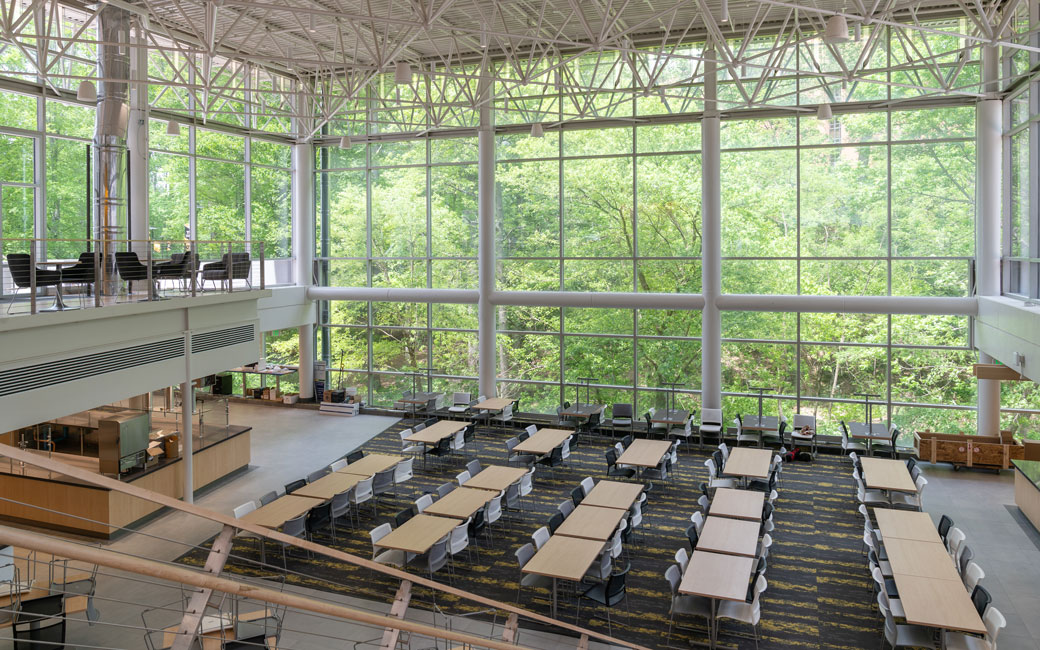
{"points": [[993, 452]]}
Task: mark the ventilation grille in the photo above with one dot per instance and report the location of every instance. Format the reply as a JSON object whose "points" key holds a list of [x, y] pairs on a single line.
{"points": [[52, 373], [207, 341]]}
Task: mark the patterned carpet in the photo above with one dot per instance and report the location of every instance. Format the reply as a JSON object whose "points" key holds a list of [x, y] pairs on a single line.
{"points": [[819, 594]]}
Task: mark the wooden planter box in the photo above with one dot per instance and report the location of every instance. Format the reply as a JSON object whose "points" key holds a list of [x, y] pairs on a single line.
{"points": [[993, 452]]}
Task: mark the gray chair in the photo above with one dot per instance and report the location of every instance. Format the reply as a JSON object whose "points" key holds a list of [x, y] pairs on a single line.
{"points": [[317, 474], [383, 483], [294, 528], [710, 430], [530, 580], [268, 498]]}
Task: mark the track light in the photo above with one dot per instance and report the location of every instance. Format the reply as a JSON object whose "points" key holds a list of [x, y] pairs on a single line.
{"points": [[86, 92], [173, 128], [824, 111], [857, 32], [725, 11], [403, 73], [311, 28], [536, 130], [837, 30], [344, 142]]}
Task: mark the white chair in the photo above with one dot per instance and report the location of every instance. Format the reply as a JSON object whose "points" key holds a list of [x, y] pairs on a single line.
{"points": [[697, 519], [601, 571], [994, 622], [505, 417], [473, 467], [724, 448], [423, 502], [683, 605], [754, 437], [713, 477], [903, 636], [363, 493], [458, 442], [894, 605], [527, 483], [972, 575], [685, 433], [744, 612], [682, 558], [914, 500], [566, 507], [458, 541], [407, 447], [848, 445], [462, 477], [337, 465], [869, 497], [523, 556], [710, 426], [763, 546], [954, 540], [244, 509], [587, 484], [459, 403], [804, 431], [492, 513], [540, 537], [531, 429], [566, 451], [385, 556], [437, 557], [341, 506]]}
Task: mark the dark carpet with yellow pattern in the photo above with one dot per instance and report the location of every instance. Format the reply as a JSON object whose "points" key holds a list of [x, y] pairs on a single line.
{"points": [[819, 593]]}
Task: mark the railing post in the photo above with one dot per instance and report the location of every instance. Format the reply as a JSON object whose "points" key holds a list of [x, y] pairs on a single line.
{"points": [[32, 276], [97, 272], [148, 271], [262, 265]]}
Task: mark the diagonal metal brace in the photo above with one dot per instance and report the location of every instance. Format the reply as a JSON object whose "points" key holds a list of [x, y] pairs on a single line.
{"points": [[188, 630]]}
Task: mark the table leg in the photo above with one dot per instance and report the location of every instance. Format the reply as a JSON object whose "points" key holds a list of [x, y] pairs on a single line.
{"points": [[554, 598], [712, 638]]}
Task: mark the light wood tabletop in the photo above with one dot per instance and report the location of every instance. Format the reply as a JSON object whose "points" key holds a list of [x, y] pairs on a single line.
{"points": [[543, 441], [493, 404], [645, 453], [738, 504], [613, 494], [731, 536], [496, 477], [750, 463], [938, 603], [418, 534], [924, 559], [371, 464], [906, 524], [713, 575], [566, 558], [330, 485], [461, 502], [591, 522], [887, 474], [281, 510], [666, 416], [437, 431]]}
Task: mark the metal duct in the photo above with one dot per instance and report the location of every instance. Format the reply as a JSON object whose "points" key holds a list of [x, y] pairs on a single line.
{"points": [[110, 122]]}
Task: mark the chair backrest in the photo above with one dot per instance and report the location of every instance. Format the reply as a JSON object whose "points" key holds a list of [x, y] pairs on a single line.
{"points": [[460, 535], [711, 416], [404, 433], [295, 485], [379, 532], [419, 427], [460, 399], [704, 502], [524, 554], [473, 467], [566, 507], [296, 527], [531, 429], [713, 471], [268, 498], [244, 509], [611, 457], [995, 622], [920, 483], [462, 477], [555, 521], [512, 495], [355, 456], [682, 558], [801, 421], [384, 479], [945, 523], [673, 574], [18, 263], [627, 440], [692, 536], [717, 457], [697, 519], [911, 463], [337, 465], [577, 495], [587, 484], [616, 582], [364, 488], [316, 474], [972, 575], [512, 442], [403, 470], [621, 411], [423, 502], [540, 537], [981, 599], [527, 481], [444, 488], [967, 555]]}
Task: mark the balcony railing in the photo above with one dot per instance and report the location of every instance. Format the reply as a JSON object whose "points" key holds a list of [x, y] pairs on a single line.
{"points": [[37, 277]]}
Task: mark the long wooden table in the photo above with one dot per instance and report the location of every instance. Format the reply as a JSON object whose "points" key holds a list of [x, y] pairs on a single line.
{"points": [[372, 464], [437, 431], [418, 534], [738, 504], [748, 463], [493, 404], [461, 502], [281, 510], [644, 453], [887, 474], [929, 586], [563, 558], [718, 577], [613, 494], [729, 536], [591, 522], [543, 441], [496, 477]]}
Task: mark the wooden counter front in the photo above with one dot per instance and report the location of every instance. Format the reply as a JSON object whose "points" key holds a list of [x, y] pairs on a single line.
{"points": [[85, 509]]}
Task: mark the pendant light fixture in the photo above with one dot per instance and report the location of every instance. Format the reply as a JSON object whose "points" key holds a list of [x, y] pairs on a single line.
{"points": [[403, 73], [537, 131], [173, 128], [344, 142], [824, 111], [837, 30], [86, 92]]}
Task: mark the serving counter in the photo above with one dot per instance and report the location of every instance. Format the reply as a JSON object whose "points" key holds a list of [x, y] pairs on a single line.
{"points": [[1027, 489]]}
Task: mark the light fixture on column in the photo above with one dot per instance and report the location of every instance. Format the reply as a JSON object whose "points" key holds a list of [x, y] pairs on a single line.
{"points": [[857, 32], [173, 128], [537, 131], [344, 142], [837, 30], [312, 28], [403, 73], [725, 12], [86, 92], [824, 111]]}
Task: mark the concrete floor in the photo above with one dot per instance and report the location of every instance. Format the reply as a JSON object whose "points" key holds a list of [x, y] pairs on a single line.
{"points": [[1007, 550], [286, 444]]}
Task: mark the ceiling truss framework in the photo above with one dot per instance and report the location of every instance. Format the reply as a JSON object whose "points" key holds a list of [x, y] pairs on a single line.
{"points": [[258, 65]]}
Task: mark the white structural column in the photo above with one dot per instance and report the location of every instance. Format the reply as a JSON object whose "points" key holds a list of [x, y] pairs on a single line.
{"points": [[187, 408], [137, 141], [303, 251], [486, 244], [988, 139], [711, 243]]}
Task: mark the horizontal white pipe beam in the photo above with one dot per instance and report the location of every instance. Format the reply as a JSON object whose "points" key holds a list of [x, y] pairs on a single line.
{"points": [[690, 301], [464, 296], [849, 304]]}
